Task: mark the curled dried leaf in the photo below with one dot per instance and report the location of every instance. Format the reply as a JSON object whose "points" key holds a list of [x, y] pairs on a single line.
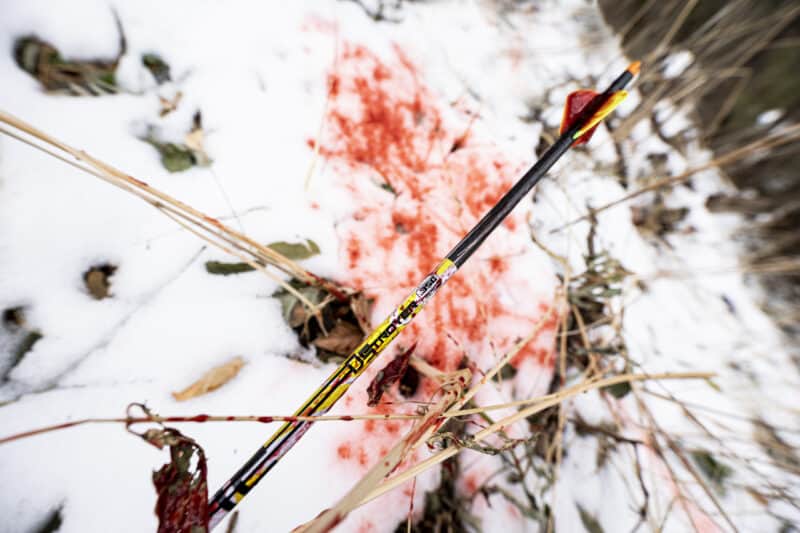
{"points": [[168, 105], [195, 141], [182, 488], [388, 376], [211, 380], [44, 62], [342, 339], [14, 318], [157, 67], [97, 280], [335, 326]]}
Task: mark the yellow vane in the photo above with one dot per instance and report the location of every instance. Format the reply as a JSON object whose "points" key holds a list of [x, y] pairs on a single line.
{"points": [[607, 108]]}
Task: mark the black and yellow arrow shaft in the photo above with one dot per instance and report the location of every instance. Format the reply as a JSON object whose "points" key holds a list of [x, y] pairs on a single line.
{"points": [[235, 489]]}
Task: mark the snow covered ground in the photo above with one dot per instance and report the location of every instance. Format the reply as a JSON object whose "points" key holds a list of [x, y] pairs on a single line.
{"points": [[264, 74]]}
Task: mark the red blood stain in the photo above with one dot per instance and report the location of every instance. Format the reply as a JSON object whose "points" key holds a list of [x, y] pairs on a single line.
{"points": [[344, 451], [265, 419], [471, 484], [316, 23], [199, 418], [389, 142], [366, 527], [363, 458]]}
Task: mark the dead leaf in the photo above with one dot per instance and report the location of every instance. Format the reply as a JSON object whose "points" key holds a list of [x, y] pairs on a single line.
{"points": [[388, 376], [174, 157], [589, 522], [334, 325], [226, 269], [157, 67], [177, 157], [182, 504], [44, 62], [195, 139], [97, 280], [211, 380], [341, 340], [169, 105], [295, 250], [14, 318]]}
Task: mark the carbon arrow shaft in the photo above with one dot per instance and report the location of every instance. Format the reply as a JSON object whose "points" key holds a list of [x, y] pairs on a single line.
{"points": [[237, 487]]}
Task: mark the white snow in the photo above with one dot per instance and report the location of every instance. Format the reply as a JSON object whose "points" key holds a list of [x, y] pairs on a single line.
{"points": [[257, 71], [769, 117], [677, 63]]}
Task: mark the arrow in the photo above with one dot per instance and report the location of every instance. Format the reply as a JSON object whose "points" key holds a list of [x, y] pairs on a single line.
{"points": [[582, 113]]}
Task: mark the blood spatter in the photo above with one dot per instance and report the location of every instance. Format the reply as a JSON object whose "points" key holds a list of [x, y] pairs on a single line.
{"points": [[471, 484], [366, 527], [388, 142], [344, 451]]}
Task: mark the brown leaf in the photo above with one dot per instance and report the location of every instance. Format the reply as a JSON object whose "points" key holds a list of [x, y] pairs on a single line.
{"points": [[342, 339], [169, 105], [74, 77], [211, 380], [195, 139], [97, 280], [388, 376]]}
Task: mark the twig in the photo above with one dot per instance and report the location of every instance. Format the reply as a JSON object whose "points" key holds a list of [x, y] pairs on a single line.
{"points": [[539, 404]]}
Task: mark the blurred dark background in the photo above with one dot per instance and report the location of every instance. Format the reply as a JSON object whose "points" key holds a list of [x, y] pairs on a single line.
{"points": [[744, 86]]}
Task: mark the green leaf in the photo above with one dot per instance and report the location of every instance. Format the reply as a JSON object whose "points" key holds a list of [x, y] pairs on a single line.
{"points": [[157, 67], [506, 372], [712, 469], [176, 158], [589, 522], [619, 390], [225, 269], [295, 250]]}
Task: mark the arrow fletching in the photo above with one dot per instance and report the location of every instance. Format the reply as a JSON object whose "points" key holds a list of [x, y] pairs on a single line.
{"points": [[576, 102]]}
